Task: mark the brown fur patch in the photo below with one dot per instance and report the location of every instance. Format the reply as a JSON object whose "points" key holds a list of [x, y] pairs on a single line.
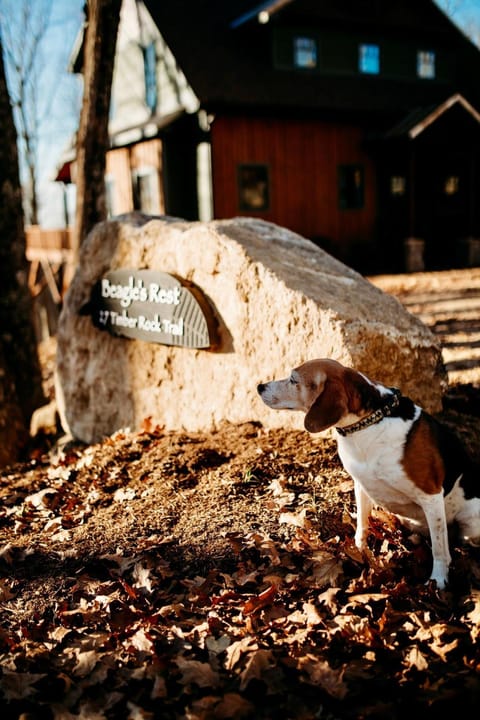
{"points": [[423, 461]]}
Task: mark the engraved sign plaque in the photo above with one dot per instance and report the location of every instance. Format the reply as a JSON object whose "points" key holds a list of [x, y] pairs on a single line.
{"points": [[152, 306]]}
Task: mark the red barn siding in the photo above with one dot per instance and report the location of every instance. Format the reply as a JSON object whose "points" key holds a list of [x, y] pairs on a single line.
{"points": [[303, 159]]}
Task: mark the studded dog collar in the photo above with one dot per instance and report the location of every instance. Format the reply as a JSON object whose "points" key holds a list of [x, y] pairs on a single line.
{"points": [[374, 417]]}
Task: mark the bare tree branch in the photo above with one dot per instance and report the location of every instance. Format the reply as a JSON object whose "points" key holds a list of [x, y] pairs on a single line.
{"points": [[24, 29]]}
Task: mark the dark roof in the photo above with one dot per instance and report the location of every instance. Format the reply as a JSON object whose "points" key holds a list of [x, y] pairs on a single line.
{"points": [[265, 9], [225, 54]]}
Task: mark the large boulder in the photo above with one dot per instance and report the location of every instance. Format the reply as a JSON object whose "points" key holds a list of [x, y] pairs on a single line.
{"points": [[278, 300]]}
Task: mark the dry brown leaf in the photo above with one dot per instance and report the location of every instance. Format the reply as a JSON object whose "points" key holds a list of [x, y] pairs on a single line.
{"points": [[6, 553], [6, 590], [473, 616], [199, 673], [41, 498], [366, 598], [159, 689], [320, 673], [217, 645], [326, 570], [258, 662], [329, 598], [434, 634], [141, 574], [260, 601], [140, 641], [88, 711], [233, 706], [18, 685], [237, 649], [299, 519], [135, 712], [354, 626], [415, 658], [86, 662], [312, 615]]}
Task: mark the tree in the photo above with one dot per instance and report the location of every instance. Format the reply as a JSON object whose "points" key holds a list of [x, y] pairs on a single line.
{"points": [[93, 140], [43, 94], [20, 376], [23, 33]]}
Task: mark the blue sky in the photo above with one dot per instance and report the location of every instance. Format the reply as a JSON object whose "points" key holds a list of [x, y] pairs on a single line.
{"points": [[62, 90], [67, 20], [465, 13], [59, 91]]}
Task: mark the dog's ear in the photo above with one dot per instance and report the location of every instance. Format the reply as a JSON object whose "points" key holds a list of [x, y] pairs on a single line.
{"points": [[328, 408]]}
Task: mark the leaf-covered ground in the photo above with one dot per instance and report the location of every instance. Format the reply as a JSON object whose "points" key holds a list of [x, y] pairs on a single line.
{"points": [[210, 576]]}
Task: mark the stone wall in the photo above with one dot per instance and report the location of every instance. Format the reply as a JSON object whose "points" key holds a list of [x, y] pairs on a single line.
{"points": [[278, 300]]}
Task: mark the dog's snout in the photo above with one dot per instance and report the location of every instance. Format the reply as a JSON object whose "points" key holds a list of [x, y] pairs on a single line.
{"points": [[261, 388]]}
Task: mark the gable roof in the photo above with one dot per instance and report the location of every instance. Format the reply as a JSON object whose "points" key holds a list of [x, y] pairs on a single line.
{"points": [[226, 54], [420, 119]]}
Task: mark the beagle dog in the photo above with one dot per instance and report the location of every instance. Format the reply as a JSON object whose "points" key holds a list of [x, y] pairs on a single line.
{"points": [[398, 455]]}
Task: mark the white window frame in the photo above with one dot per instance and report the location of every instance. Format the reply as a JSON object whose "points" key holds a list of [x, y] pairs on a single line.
{"points": [[426, 64], [304, 52]]}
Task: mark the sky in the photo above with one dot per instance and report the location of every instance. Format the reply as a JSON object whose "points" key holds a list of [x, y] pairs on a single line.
{"points": [[62, 91], [68, 20], [466, 13]]}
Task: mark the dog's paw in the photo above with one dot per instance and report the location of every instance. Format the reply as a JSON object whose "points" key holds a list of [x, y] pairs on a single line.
{"points": [[361, 541], [440, 581]]}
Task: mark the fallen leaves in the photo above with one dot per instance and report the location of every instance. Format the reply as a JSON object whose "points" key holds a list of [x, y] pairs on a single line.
{"points": [[288, 620]]}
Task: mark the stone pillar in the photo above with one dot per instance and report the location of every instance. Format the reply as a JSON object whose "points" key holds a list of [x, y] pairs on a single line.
{"points": [[414, 254]]}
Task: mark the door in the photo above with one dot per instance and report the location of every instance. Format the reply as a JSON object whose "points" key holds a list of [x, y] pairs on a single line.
{"points": [[443, 213]]}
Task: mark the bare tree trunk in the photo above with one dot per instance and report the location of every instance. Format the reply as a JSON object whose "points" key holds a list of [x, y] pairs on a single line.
{"points": [[20, 377], [93, 140]]}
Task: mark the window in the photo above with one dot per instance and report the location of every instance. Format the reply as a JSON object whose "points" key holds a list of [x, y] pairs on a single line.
{"points": [[351, 187], [146, 190], [110, 194], [253, 187], [369, 59], [304, 52], [397, 185], [451, 185], [426, 64], [150, 70]]}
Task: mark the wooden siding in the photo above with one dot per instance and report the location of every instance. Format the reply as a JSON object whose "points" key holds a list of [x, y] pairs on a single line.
{"points": [[303, 158], [147, 154], [118, 168], [119, 165]]}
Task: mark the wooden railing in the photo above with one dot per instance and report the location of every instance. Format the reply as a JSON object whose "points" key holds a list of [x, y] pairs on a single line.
{"points": [[55, 244], [50, 256]]}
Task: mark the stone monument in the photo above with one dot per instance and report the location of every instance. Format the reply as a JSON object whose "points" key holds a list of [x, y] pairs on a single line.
{"points": [[264, 299]]}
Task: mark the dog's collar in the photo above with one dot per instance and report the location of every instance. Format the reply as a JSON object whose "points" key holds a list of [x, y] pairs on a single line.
{"points": [[374, 417]]}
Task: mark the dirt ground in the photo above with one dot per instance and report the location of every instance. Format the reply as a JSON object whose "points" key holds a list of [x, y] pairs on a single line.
{"points": [[197, 576]]}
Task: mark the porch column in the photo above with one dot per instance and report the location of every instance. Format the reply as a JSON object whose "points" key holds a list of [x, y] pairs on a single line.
{"points": [[411, 191]]}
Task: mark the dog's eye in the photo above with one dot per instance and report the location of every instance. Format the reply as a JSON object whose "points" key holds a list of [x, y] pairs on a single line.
{"points": [[293, 381]]}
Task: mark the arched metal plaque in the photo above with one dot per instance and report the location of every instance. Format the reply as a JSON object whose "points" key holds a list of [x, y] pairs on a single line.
{"points": [[152, 306]]}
